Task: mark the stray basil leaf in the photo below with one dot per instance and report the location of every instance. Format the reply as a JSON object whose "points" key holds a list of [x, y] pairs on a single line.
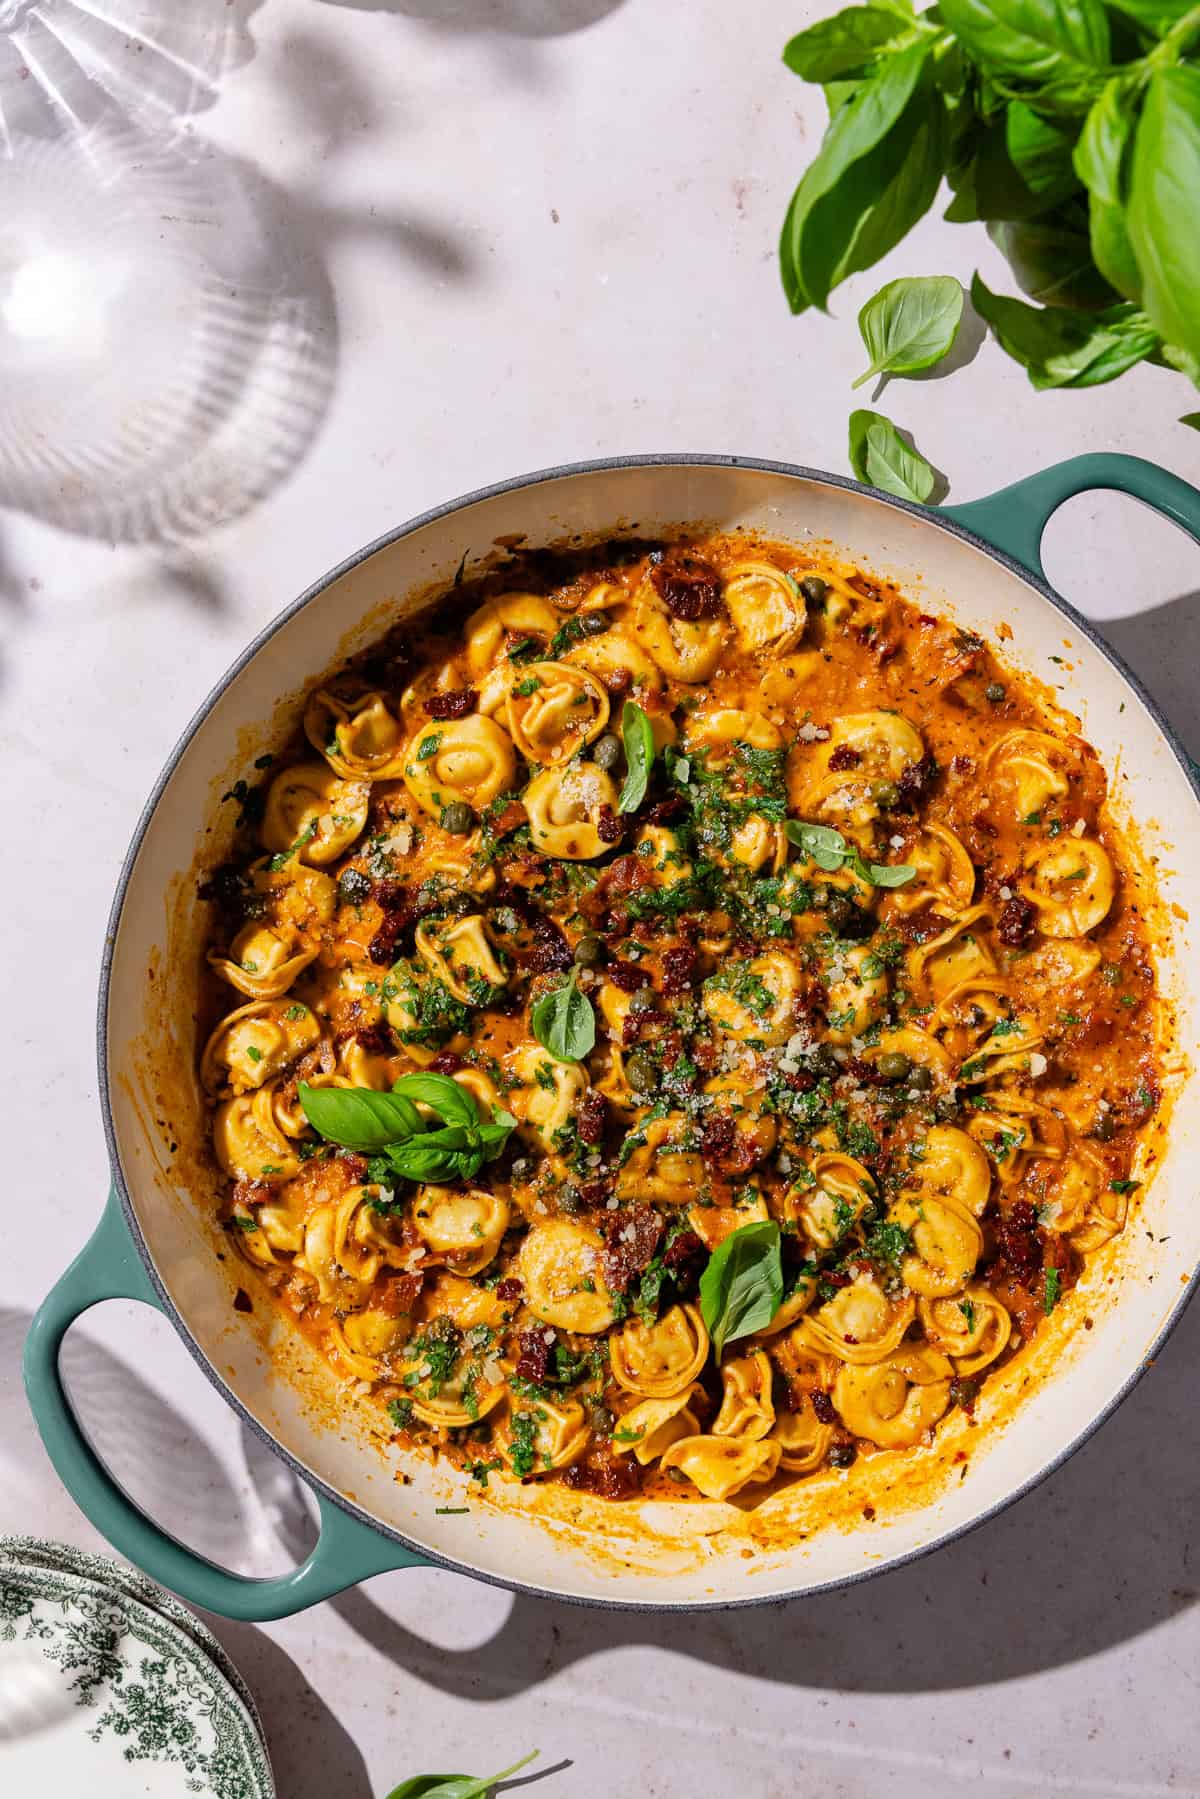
{"points": [[1192, 419], [742, 1286], [910, 324], [820, 843], [456, 1786], [880, 457], [638, 737], [357, 1118], [564, 1023], [883, 874]]}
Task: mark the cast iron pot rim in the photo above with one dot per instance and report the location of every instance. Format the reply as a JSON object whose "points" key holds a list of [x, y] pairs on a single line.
{"points": [[600, 465]]}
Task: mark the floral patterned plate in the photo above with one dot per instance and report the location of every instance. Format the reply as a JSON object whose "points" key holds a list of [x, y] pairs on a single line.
{"points": [[100, 1693]]}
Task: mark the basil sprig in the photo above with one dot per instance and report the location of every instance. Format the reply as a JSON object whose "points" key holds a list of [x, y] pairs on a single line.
{"points": [[741, 1289], [830, 851], [1070, 129], [390, 1127], [910, 324], [564, 1023], [638, 737], [880, 457], [456, 1786]]}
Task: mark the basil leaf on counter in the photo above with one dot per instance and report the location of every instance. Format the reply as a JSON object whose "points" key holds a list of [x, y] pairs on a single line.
{"points": [[742, 1286], [637, 734], [880, 457], [1192, 419], [456, 1786], [449, 1099], [564, 1023], [1160, 212], [910, 324], [357, 1118]]}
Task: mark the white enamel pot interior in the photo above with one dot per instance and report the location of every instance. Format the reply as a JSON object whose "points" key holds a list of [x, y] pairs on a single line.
{"points": [[147, 1026]]}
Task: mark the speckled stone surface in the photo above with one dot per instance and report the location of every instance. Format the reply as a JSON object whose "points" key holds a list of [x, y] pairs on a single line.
{"points": [[539, 232]]}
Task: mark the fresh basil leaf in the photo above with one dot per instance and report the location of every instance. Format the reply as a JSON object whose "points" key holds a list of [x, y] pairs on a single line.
{"points": [[564, 1023], [849, 175], [1100, 152], [1163, 209], [637, 734], [742, 1286], [436, 1156], [1040, 151], [820, 843], [910, 324], [1111, 249], [1066, 349], [1154, 16], [456, 1786], [1192, 419], [1170, 356], [880, 457], [357, 1118], [1054, 42], [846, 44], [452, 1102]]}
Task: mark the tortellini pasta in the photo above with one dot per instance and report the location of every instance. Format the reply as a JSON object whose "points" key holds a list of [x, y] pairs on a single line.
{"points": [[722, 1466], [861, 1323], [555, 710], [618, 654], [803, 1440], [361, 739], [567, 807], [249, 1145], [1032, 768], [856, 996], [465, 1227], [515, 615], [462, 760], [557, 1436], [835, 1193], [747, 1409], [863, 750], [547, 1095], [256, 1043], [650, 1427], [263, 961], [755, 1000], [766, 607], [313, 814], [461, 955], [972, 1327], [896, 1403], [665, 1166], [945, 874], [657, 1361], [959, 955], [562, 1270], [684, 649], [1073, 883]]}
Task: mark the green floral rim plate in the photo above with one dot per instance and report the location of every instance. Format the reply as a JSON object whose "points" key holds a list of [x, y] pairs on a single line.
{"points": [[107, 1571], [104, 1694]]}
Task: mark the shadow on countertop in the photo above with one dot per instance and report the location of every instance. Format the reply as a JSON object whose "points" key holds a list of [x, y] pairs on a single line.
{"points": [[1101, 1552], [516, 18]]}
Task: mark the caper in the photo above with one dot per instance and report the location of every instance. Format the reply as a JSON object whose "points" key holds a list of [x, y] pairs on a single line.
{"points": [[640, 1072], [842, 1455], [458, 818], [894, 1065], [824, 1063], [838, 909], [945, 1108], [606, 752], [814, 590], [590, 950], [994, 692], [920, 1078], [593, 623], [1104, 1126], [885, 793]]}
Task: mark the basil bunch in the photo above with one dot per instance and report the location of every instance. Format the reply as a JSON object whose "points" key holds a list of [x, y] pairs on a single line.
{"points": [[400, 1139], [830, 851], [1070, 128]]}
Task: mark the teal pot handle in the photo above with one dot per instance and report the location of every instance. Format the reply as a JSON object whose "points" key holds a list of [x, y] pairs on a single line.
{"points": [[346, 1552], [1014, 519]]}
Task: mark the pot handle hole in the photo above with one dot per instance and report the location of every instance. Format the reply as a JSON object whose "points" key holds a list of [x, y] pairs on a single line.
{"points": [[347, 1550], [1014, 519]]}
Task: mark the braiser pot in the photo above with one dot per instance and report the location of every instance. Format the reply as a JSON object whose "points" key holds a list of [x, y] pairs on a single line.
{"points": [[156, 1240]]}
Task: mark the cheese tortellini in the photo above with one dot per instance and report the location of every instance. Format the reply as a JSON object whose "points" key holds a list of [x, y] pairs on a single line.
{"points": [[555, 710], [256, 1043], [567, 807], [766, 607], [561, 1266], [657, 1361], [361, 739], [313, 813], [465, 760], [263, 961], [1073, 883], [895, 1403]]}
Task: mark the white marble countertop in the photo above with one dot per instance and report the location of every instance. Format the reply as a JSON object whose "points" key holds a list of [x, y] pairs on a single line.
{"points": [[529, 231]]}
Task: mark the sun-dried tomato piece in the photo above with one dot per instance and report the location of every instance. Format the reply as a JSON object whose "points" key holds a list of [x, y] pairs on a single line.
{"points": [[452, 705], [689, 587]]}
